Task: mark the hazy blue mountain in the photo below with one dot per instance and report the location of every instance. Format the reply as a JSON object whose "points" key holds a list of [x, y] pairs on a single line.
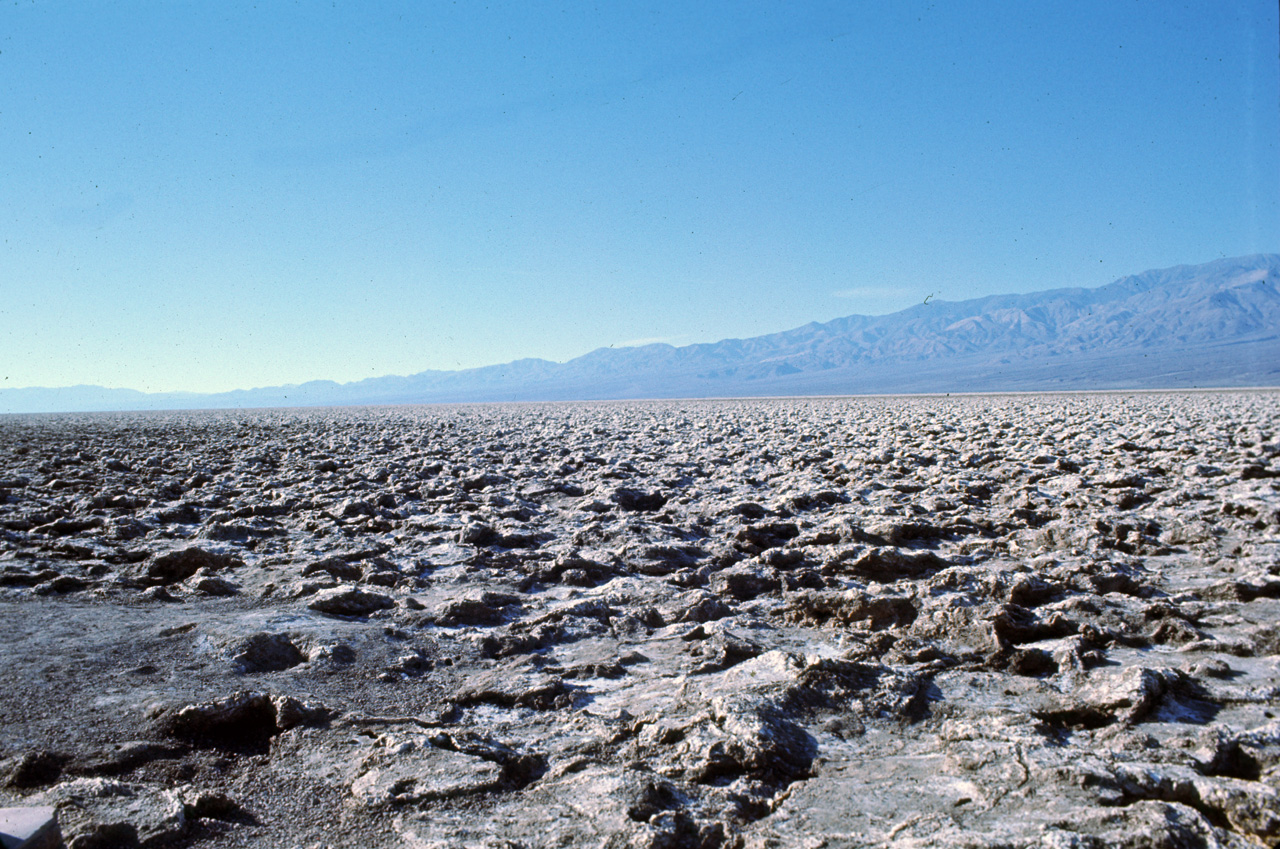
{"points": [[1216, 324]]}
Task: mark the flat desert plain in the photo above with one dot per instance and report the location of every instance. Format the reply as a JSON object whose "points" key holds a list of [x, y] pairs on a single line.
{"points": [[1037, 620]]}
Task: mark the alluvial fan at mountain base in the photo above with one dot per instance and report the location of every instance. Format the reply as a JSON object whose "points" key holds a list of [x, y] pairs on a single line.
{"points": [[985, 620]]}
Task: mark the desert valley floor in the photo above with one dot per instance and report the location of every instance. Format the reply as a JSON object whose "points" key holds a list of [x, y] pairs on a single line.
{"points": [[1038, 620]]}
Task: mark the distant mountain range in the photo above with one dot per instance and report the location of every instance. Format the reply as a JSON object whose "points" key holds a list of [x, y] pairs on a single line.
{"points": [[1211, 325]]}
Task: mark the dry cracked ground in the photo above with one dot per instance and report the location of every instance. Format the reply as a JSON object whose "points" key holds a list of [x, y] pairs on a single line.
{"points": [[976, 621]]}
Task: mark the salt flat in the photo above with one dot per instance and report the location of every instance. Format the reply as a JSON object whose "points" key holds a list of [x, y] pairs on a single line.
{"points": [[969, 621]]}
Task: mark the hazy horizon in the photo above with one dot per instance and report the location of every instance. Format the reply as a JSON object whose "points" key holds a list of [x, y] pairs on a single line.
{"points": [[203, 199], [633, 344]]}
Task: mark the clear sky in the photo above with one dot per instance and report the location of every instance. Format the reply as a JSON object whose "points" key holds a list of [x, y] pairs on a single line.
{"points": [[215, 195]]}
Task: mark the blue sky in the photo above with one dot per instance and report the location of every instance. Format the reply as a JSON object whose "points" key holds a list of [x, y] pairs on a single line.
{"points": [[207, 196]]}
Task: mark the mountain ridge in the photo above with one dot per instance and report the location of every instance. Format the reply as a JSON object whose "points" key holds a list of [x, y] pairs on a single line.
{"points": [[1213, 324]]}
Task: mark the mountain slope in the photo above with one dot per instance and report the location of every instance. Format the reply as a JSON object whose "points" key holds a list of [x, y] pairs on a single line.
{"points": [[1216, 324]]}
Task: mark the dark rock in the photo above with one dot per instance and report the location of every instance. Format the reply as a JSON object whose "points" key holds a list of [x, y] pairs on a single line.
{"points": [[635, 500], [575, 570], [724, 650], [62, 584], [478, 533], [292, 712], [242, 722], [757, 538], [18, 577], [501, 687], [482, 481], [482, 535], [898, 533], [1031, 662], [1032, 591], [879, 612], [485, 609], [745, 581], [349, 601], [692, 606], [263, 652], [891, 564], [660, 560], [181, 514], [68, 527], [37, 769], [179, 565], [749, 510], [1014, 625], [1241, 590], [127, 529], [156, 594], [867, 690], [213, 585], [519, 538], [354, 508], [335, 567], [803, 501], [388, 578], [228, 531]]}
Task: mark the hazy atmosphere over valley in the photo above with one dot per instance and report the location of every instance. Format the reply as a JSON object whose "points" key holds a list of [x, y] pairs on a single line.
{"points": [[705, 426]]}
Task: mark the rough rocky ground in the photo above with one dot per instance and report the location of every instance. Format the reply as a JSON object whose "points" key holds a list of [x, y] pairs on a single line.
{"points": [[973, 621]]}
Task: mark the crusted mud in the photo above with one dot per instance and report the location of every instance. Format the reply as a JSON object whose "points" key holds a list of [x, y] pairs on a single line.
{"points": [[1009, 621]]}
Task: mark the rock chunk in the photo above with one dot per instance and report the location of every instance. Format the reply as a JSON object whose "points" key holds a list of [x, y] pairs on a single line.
{"points": [[756, 538], [1126, 695], [30, 828], [96, 813], [242, 722], [213, 585], [175, 566], [487, 608], [877, 612], [891, 564], [350, 601], [745, 581], [412, 772], [501, 687], [335, 567], [638, 501], [263, 652], [37, 769]]}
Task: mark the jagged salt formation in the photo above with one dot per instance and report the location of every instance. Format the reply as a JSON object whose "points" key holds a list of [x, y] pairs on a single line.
{"points": [[1001, 621]]}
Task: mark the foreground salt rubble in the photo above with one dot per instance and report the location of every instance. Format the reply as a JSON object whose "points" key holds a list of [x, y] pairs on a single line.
{"points": [[972, 621]]}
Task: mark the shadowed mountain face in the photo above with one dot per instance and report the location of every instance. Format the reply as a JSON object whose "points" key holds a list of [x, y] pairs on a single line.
{"points": [[1216, 324]]}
